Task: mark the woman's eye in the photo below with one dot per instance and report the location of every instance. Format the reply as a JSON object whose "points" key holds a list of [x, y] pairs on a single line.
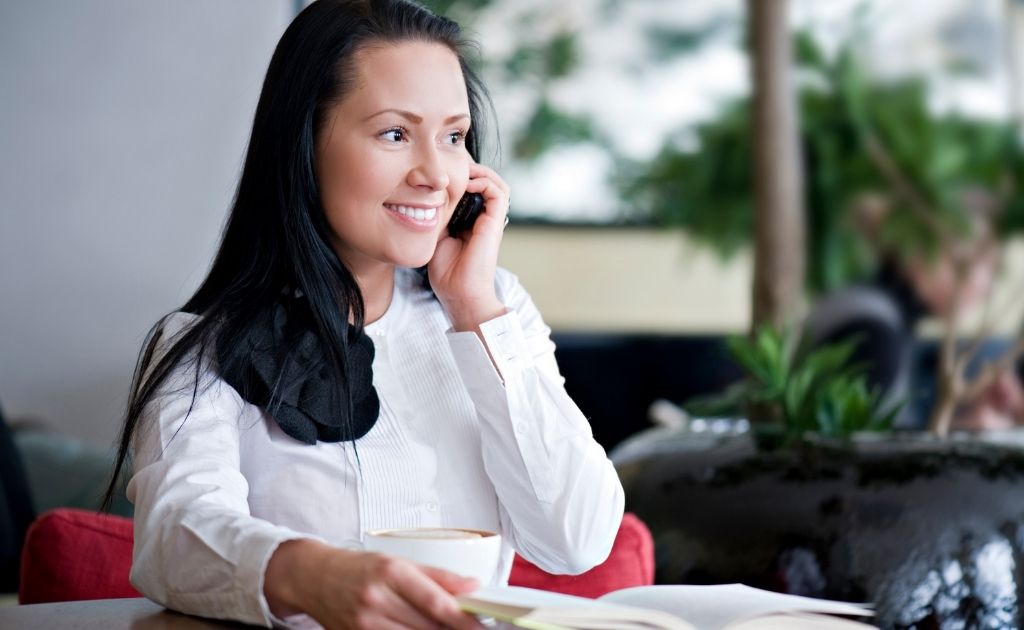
{"points": [[455, 137], [395, 134]]}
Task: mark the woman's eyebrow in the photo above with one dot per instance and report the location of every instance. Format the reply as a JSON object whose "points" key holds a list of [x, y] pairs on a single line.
{"points": [[414, 118]]}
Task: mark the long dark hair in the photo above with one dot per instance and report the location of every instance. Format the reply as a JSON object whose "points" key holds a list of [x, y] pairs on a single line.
{"points": [[276, 237]]}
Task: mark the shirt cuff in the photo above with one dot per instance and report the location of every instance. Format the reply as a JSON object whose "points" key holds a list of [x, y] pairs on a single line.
{"points": [[503, 338]]}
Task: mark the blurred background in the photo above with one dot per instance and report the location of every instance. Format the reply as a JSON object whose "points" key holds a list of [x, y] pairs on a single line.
{"points": [[623, 130]]}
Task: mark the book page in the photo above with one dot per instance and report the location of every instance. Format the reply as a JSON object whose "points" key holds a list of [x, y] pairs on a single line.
{"points": [[543, 610], [716, 607], [797, 621]]}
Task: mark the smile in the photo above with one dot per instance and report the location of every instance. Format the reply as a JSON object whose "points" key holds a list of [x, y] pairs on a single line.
{"points": [[420, 214], [423, 218]]}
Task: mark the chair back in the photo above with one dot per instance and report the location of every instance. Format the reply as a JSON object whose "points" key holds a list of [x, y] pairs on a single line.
{"points": [[73, 554], [630, 563]]}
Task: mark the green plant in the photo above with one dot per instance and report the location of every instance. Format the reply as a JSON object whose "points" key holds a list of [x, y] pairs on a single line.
{"points": [[802, 393], [706, 186]]}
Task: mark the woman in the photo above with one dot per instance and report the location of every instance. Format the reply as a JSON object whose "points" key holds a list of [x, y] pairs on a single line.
{"points": [[268, 431]]}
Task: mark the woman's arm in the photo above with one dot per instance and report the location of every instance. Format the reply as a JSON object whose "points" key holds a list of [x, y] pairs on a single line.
{"points": [[561, 496], [197, 548]]}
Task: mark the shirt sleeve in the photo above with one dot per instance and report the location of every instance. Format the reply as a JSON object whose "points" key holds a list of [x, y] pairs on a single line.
{"points": [[197, 548], [560, 496]]}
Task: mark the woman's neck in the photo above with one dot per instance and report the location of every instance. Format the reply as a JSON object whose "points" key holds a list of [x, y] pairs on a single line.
{"points": [[377, 286]]}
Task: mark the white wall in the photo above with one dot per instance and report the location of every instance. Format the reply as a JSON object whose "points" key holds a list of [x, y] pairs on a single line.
{"points": [[122, 129]]}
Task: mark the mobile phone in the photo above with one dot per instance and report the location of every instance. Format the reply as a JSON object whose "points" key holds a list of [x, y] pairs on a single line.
{"points": [[466, 212]]}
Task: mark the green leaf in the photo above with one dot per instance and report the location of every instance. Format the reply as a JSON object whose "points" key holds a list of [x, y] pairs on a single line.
{"points": [[549, 126], [817, 391]]}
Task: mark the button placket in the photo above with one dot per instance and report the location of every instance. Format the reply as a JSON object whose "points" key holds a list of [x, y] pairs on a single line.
{"points": [[432, 512], [382, 373], [380, 346]]}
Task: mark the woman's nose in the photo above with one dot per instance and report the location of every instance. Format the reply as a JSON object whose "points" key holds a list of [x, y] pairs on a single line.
{"points": [[429, 170]]}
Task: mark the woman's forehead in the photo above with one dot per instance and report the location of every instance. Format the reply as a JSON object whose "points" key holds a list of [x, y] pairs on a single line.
{"points": [[424, 78]]}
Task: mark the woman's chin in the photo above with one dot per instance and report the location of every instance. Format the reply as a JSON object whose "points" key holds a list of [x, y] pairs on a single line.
{"points": [[413, 262]]}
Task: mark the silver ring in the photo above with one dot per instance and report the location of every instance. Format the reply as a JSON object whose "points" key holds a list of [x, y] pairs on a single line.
{"points": [[506, 223]]}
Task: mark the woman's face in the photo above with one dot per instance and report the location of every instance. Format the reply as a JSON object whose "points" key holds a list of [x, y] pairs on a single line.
{"points": [[391, 159]]}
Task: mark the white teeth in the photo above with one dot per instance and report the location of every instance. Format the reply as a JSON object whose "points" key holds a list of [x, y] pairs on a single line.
{"points": [[416, 213]]}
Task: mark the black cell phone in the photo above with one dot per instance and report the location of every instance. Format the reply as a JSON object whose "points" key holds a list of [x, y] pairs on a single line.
{"points": [[469, 208]]}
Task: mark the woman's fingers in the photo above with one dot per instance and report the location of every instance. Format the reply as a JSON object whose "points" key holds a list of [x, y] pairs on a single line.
{"points": [[428, 597], [400, 612], [452, 582], [383, 623], [485, 180], [495, 198], [479, 170], [381, 600], [491, 191]]}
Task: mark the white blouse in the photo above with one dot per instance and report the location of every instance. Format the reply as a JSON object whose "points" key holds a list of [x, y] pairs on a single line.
{"points": [[457, 444]]}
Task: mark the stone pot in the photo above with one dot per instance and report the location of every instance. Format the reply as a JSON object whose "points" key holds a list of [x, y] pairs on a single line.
{"points": [[931, 531]]}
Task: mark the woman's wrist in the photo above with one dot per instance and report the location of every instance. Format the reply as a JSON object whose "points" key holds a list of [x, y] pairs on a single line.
{"points": [[284, 580], [467, 316]]}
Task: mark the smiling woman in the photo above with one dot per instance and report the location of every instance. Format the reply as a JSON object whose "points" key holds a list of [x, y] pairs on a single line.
{"points": [[384, 167], [315, 388], [392, 163]]}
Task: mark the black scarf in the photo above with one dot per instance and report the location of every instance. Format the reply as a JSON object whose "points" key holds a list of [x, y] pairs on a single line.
{"points": [[285, 356]]}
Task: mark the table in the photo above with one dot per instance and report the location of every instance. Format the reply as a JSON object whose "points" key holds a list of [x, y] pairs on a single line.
{"points": [[104, 614]]}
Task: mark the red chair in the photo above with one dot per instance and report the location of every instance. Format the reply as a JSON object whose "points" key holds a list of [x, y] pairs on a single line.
{"points": [[74, 554], [630, 563]]}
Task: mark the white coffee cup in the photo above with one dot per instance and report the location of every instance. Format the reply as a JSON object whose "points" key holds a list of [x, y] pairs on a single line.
{"points": [[468, 552]]}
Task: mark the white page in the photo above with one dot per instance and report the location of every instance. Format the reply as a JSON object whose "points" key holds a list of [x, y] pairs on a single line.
{"points": [[563, 609], [534, 598], [715, 607], [798, 621]]}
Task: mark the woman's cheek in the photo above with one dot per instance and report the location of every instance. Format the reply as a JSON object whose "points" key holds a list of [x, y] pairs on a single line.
{"points": [[459, 179]]}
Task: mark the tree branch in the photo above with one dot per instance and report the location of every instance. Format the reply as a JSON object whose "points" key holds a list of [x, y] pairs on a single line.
{"points": [[902, 185]]}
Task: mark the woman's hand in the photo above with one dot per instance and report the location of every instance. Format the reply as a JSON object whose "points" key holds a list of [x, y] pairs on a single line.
{"points": [[348, 589], [462, 269]]}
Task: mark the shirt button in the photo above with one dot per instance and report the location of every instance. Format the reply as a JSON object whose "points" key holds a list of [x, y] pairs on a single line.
{"points": [[521, 428], [431, 506]]}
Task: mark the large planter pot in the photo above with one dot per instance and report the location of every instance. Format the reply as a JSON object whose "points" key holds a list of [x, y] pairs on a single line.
{"points": [[931, 531]]}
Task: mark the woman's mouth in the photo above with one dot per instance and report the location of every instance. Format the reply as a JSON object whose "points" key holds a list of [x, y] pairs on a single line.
{"points": [[414, 217]]}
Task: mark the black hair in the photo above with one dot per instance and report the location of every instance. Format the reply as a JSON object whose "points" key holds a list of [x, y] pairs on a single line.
{"points": [[276, 237]]}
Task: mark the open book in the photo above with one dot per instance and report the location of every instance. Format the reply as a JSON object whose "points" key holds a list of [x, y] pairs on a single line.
{"points": [[677, 607]]}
